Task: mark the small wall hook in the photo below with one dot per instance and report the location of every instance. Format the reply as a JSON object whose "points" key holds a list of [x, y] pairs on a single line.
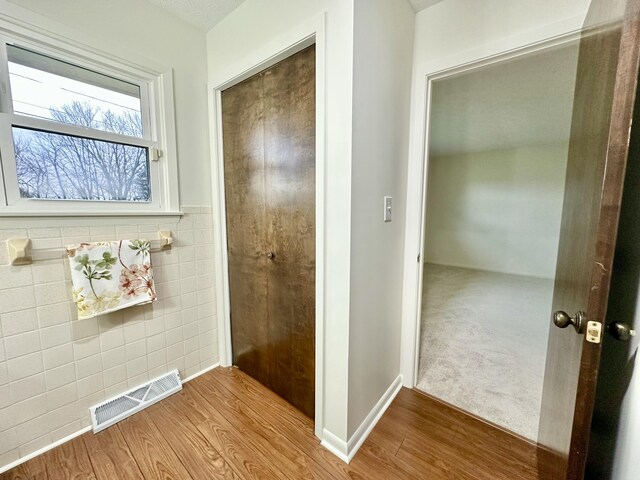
{"points": [[166, 240], [19, 251]]}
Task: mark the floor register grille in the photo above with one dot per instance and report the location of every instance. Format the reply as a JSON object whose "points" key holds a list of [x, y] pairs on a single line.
{"points": [[118, 408]]}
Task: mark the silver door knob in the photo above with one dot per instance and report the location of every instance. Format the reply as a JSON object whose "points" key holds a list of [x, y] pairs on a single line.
{"points": [[620, 331], [563, 320], [270, 255]]}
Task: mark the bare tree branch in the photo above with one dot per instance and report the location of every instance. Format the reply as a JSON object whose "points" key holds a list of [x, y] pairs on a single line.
{"points": [[57, 166]]}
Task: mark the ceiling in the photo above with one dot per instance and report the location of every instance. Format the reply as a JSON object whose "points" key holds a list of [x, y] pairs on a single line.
{"points": [[522, 102], [203, 14], [422, 4], [527, 101]]}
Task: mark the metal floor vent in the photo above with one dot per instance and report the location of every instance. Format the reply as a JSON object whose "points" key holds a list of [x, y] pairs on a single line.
{"points": [[118, 408]]}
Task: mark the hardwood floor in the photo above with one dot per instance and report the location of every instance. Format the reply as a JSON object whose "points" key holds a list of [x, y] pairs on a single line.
{"points": [[225, 425]]}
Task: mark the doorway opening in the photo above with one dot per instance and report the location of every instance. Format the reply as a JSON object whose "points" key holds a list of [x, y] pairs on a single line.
{"points": [[498, 138]]}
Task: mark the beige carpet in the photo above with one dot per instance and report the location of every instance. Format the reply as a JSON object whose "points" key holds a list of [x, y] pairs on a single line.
{"points": [[483, 343]]}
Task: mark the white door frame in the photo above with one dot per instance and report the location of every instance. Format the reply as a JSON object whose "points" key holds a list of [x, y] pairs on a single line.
{"points": [[416, 221], [309, 33]]}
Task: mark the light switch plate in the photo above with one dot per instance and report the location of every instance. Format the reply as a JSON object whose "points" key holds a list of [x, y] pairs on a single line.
{"points": [[387, 209]]}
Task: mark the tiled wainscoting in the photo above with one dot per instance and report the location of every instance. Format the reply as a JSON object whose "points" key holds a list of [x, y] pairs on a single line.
{"points": [[54, 366]]}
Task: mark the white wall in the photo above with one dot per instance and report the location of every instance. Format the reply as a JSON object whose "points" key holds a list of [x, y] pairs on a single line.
{"points": [[383, 43], [53, 366], [248, 37], [137, 30], [497, 210], [450, 34], [367, 56]]}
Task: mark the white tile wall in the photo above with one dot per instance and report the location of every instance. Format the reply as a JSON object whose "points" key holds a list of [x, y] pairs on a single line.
{"points": [[54, 366]]}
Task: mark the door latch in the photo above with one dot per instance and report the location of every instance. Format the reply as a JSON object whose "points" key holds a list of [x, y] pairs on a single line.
{"points": [[594, 332]]}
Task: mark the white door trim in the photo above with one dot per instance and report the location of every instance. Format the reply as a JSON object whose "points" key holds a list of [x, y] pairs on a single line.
{"points": [[415, 224], [309, 33]]}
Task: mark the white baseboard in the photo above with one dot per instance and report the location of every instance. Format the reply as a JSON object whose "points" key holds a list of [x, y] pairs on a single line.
{"points": [[80, 432], [45, 449], [345, 451], [335, 445], [201, 372]]}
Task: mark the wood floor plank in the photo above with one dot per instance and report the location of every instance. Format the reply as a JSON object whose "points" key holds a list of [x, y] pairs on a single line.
{"points": [[241, 383], [20, 473], [226, 425], [275, 409], [16, 473], [110, 456], [432, 465], [371, 450], [242, 458], [283, 417], [469, 427], [196, 454], [387, 435], [425, 417], [152, 453], [504, 455], [373, 461], [70, 461], [438, 449], [455, 455], [260, 433], [34, 469]]}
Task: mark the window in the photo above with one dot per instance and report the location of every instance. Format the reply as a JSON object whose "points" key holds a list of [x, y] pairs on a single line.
{"points": [[81, 135]]}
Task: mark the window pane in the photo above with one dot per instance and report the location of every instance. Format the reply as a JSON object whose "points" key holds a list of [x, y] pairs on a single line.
{"points": [[44, 87], [55, 166]]}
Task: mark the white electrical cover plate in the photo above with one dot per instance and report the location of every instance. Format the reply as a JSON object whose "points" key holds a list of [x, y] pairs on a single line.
{"points": [[387, 209]]}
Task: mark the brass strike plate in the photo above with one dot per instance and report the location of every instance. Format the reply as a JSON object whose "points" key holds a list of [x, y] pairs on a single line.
{"points": [[594, 332]]}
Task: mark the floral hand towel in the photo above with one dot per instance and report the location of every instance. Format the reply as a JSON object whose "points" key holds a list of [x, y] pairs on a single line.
{"points": [[109, 276]]}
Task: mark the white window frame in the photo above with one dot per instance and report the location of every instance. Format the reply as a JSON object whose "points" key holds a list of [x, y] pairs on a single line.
{"points": [[158, 118]]}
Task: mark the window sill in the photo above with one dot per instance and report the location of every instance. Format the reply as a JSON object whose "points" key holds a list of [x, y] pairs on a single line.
{"points": [[127, 213], [20, 220]]}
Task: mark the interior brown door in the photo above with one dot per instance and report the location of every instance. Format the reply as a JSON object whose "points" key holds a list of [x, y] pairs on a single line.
{"points": [[268, 124], [602, 113]]}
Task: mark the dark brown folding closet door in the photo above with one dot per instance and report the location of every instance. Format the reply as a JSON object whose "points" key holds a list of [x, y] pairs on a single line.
{"points": [[268, 124]]}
